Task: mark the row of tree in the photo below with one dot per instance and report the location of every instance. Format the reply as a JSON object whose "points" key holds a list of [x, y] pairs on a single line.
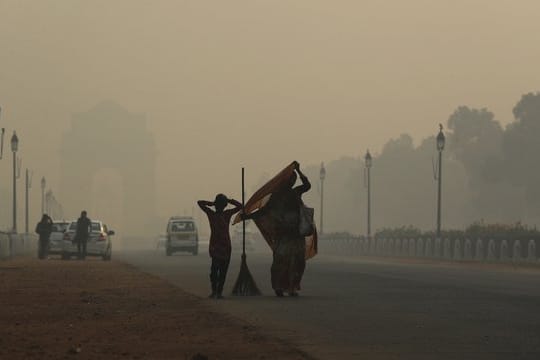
{"points": [[489, 174]]}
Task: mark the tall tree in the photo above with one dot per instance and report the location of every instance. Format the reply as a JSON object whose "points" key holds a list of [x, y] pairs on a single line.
{"points": [[521, 147], [476, 142]]}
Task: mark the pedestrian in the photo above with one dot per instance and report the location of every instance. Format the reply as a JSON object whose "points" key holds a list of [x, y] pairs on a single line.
{"points": [[44, 229], [220, 239], [82, 233], [289, 260], [283, 220]]}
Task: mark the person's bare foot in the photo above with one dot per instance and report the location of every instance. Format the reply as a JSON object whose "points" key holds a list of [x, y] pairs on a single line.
{"points": [[279, 292]]}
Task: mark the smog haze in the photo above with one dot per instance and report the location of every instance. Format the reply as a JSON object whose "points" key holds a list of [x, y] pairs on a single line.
{"points": [[256, 84]]}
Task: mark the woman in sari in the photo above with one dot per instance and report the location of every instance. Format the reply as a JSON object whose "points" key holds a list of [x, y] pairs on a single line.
{"points": [[289, 248]]}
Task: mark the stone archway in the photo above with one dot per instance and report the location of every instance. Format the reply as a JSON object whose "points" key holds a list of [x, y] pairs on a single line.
{"points": [[109, 136]]}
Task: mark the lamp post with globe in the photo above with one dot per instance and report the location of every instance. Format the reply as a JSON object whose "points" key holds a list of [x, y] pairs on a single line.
{"points": [[14, 149], [440, 147], [368, 162], [43, 184], [322, 176]]}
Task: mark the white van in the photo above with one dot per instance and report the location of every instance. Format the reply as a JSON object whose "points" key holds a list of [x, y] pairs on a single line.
{"points": [[182, 235]]}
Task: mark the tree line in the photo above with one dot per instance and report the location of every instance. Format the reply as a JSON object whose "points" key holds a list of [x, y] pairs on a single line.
{"points": [[490, 175]]}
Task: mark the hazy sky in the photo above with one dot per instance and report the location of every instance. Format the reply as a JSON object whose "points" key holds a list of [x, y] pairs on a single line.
{"points": [[226, 84]]}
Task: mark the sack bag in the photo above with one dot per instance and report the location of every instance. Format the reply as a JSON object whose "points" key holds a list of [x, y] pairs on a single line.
{"points": [[306, 226]]}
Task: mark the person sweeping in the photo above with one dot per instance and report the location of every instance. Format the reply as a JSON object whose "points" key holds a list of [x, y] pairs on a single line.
{"points": [[220, 239]]}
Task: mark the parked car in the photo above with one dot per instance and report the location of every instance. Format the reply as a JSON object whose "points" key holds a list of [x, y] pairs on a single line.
{"points": [[57, 236], [182, 235], [99, 243]]}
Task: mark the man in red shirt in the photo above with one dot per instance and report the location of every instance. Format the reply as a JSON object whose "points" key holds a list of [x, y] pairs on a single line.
{"points": [[220, 239]]}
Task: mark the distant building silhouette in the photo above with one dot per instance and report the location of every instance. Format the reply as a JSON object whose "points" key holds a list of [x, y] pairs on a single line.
{"points": [[105, 137]]}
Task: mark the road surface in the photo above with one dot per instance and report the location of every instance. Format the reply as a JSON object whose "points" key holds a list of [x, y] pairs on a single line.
{"points": [[379, 309]]}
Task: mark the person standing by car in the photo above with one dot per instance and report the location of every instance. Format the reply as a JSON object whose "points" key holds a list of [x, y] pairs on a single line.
{"points": [[44, 229], [220, 239], [84, 227]]}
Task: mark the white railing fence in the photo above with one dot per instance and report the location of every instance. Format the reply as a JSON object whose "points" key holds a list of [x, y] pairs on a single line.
{"points": [[495, 250], [12, 245]]}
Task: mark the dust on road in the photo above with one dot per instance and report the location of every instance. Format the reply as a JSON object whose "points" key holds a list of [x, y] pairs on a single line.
{"points": [[109, 310]]}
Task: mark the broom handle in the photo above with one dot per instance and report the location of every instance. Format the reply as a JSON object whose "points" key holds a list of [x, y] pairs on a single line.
{"points": [[243, 220]]}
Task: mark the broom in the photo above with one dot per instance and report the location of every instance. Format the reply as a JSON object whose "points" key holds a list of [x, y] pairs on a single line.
{"points": [[245, 284]]}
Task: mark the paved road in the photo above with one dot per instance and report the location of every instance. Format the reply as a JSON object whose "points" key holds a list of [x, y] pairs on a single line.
{"points": [[379, 309]]}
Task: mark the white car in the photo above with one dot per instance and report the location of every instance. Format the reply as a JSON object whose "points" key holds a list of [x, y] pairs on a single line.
{"points": [[182, 235], [56, 243], [99, 242]]}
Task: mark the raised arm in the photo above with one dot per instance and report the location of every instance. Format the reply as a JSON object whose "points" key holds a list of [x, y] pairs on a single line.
{"points": [[237, 206], [205, 205], [306, 185]]}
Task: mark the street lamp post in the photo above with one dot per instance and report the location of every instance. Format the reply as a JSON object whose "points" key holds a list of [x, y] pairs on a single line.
{"points": [[2, 139], [322, 175], [368, 162], [43, 184], [440, 147], [52, 205], [48, 198], [28, 184], [14, 149]]}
